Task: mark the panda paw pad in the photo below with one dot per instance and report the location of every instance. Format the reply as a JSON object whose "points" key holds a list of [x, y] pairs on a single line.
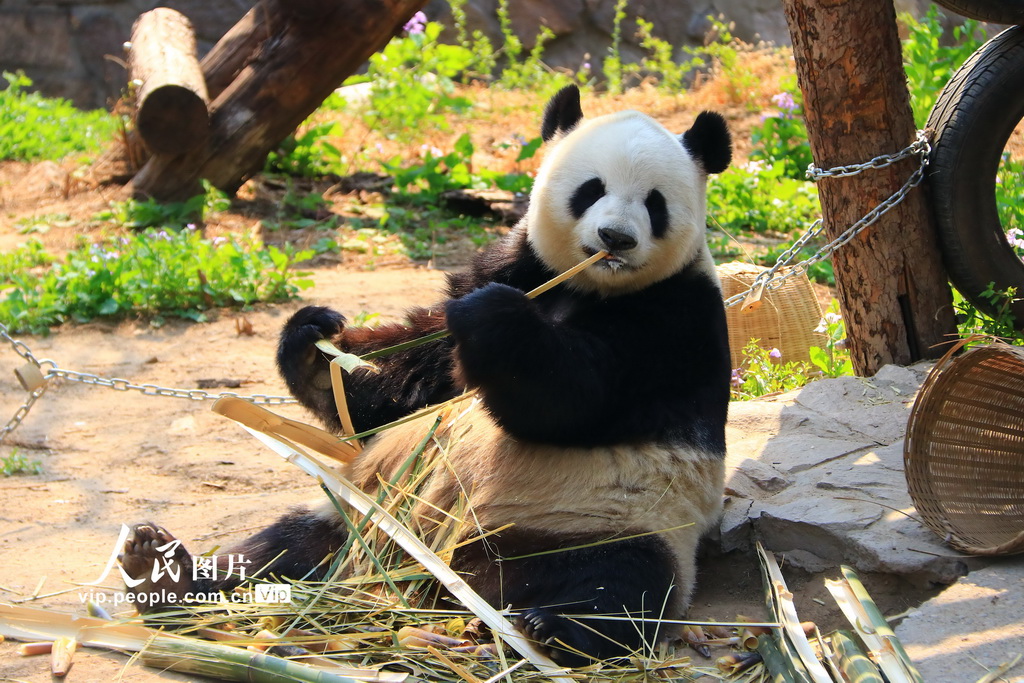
{"points": [[157, 569]]}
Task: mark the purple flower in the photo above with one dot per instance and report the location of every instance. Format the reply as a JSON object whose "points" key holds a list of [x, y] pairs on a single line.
{"points": [[785, 102], [775, 354], [416, 24], [737, 378], [1015, 236]]}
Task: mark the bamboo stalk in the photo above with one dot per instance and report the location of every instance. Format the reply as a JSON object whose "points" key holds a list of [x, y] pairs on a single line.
{"points": [[455, 584], [779, 666], [852, 661], [532, 294], [230, 663], [883, 647], [780, 601]]}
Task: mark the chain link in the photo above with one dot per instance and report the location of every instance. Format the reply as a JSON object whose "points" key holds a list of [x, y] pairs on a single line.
{"points": [[50, 371], [772, 279]]}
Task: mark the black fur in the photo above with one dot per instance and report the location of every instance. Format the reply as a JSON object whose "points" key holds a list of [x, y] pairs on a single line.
{"points": [[562, 113], [656, 209], [585, 196], [709, 142], [566, 369], [628, 578]]}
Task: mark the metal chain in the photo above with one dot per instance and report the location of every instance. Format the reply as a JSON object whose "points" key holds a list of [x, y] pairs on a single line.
{"points": [[772, 279], [50, 371]]}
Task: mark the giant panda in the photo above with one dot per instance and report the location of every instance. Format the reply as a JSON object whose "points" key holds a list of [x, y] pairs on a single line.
{"points": [[600, 432]]}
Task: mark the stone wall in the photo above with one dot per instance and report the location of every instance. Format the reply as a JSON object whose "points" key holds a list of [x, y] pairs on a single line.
{"points": [[73, 48]]}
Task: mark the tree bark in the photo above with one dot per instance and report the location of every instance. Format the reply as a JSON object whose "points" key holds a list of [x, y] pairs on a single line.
{"points": [[171, 97], [892, 286], [295, 54]]}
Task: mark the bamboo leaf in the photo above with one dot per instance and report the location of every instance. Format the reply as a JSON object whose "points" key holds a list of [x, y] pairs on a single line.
{"points": [[346, 361]]}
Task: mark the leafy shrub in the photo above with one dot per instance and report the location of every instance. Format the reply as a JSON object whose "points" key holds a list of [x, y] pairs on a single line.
{"points": [[412, 85], [929, 61], [763, 371], [34, 128], [760, 197], [149, 213], [307, 154], [781, 139], [436, 173], [151, 273]]}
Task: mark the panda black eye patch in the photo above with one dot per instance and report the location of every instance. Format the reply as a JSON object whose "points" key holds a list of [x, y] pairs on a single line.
{"points": [[658, 212], [585, 196]]}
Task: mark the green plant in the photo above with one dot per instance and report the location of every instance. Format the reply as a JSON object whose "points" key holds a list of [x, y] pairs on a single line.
{"points": [[484, 60], [613, 66], [781, 139], [152, 273], [930, 61], [660, 63], [725, 53], [1010, 200], [17, 463], [971, 321], [759, 197], [149, 213], [33, 127], [763, 372], [412, 84], [834, 359], [521, 72], [436, 173], [306, 155]]}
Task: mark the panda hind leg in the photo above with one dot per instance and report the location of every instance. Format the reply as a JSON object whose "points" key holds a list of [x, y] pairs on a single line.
{"points": [[298, 546], [632, 580]]}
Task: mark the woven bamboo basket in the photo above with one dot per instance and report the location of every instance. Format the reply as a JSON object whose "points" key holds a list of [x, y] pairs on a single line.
{"points": [[964, 450], [785, 319]]}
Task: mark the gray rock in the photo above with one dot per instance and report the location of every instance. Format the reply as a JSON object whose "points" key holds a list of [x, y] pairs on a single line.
{"points": [[822, 470], [971, 626]]}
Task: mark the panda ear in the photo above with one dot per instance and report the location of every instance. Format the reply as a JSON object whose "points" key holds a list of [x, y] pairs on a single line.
{"points": [[562, 113], [709, 142]]}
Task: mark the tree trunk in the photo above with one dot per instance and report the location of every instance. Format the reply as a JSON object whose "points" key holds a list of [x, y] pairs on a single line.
{"points": [[891, 283], [295, 54], [171, 98]]}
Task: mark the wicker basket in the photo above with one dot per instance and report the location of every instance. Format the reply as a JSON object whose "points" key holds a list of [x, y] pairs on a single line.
{"points": [[964, 451], [785, 320]]}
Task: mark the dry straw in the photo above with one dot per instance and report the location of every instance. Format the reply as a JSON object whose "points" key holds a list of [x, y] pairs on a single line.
{"points": [[782, 318], [964, 451]]}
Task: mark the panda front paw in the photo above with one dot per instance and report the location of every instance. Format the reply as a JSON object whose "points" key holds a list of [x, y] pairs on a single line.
{"points": [[296, 350], [467, 315], [566, 642]]}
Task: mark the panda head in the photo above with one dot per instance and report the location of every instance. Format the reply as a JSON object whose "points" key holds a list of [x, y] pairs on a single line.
{"points": [[624, 184]]}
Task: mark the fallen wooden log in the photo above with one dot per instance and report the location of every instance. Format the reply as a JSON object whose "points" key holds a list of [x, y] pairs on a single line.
{"points": [[289, 56], [171, 99]]}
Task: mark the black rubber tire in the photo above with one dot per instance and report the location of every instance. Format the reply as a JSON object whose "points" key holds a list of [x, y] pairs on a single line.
{"points": [[996, 11], [971, 123]]}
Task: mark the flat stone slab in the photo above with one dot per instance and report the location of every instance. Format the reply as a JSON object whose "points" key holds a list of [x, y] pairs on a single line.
{"points": [[973, 626], [817, 475]]}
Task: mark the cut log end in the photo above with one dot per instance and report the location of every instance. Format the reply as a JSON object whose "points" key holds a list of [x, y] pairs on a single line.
{"points": [[173, 120]]}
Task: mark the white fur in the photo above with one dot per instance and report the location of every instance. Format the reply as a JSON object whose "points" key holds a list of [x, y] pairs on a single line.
{"points": [[609, 492], [632, 154]]}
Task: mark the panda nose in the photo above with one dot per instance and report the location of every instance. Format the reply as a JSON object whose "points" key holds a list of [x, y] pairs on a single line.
{"points": [[616, 240]]}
